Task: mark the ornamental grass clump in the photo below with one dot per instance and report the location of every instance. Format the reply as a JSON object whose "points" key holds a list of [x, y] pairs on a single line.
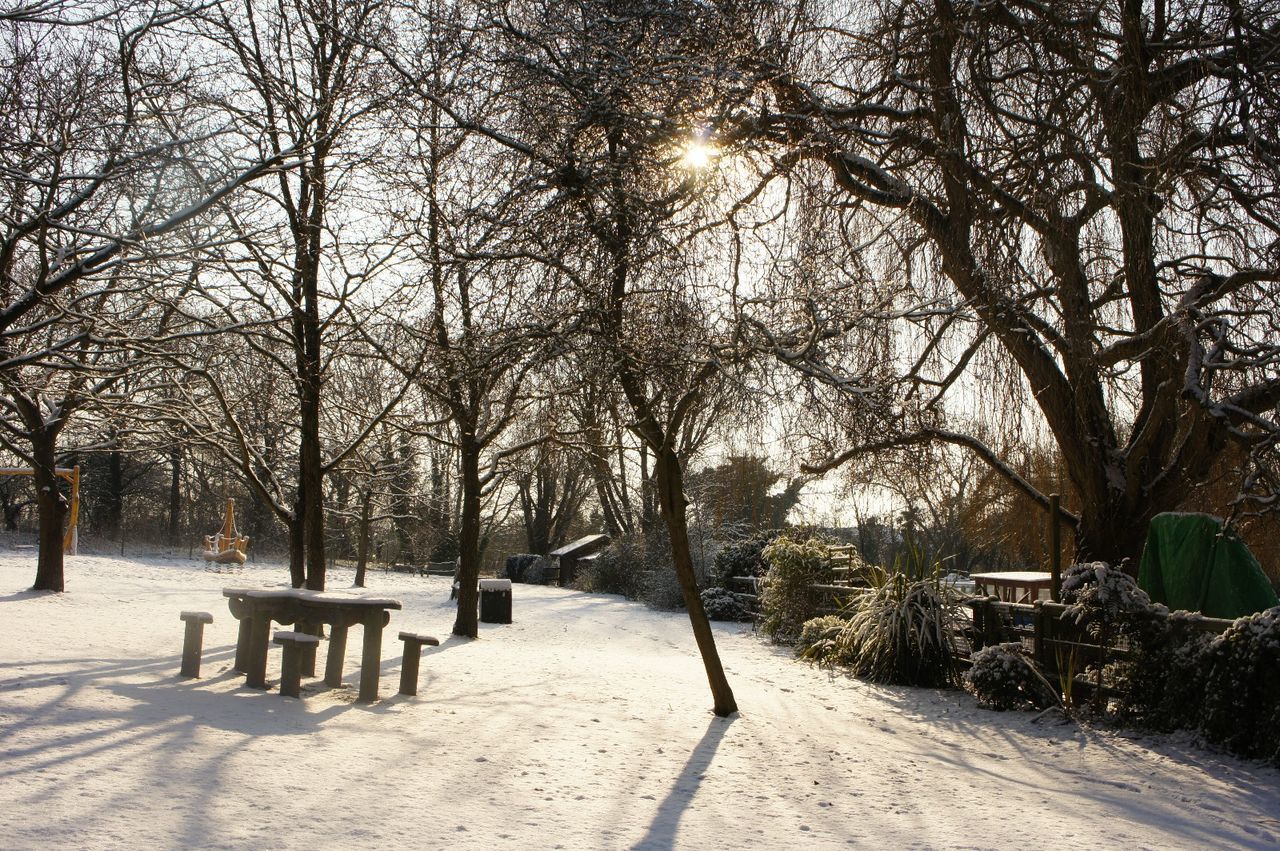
{"points": [[1004, 677], [900, 632]]}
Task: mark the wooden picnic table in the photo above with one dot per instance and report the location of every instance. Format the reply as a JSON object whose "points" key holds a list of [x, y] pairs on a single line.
{"points": [[1014, 586], [256, 608]]}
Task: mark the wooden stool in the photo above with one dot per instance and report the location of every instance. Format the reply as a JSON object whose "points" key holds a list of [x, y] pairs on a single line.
{"points": [[412, 653], [294, 643], [193, 641]]}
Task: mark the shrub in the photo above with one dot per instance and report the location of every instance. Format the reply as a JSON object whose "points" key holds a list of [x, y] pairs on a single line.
{"points": [[722, 604], [785, 599], [1004, 677], [1162, 683], [901, 632], [525, 567], [1242, 689], [1103, 599], [619, 569], [1108, 604], [818, 640], [745, 557]]}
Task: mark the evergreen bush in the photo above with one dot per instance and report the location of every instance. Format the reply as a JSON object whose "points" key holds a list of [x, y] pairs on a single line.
{"points": [[1003, 676], [1161, 684], [1104, 600], [1242, 687], [786, 601], [619, 569], [744, 557], [722, 604]]}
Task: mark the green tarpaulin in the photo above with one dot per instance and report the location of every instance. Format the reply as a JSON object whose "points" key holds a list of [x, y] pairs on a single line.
{"points": [[1190, 564]]}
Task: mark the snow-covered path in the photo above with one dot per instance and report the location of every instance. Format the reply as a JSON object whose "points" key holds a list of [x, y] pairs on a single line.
{"points": [[585, 724]]}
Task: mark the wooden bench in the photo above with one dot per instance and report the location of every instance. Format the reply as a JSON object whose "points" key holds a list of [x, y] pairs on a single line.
{"points": [[413, 644], [193, 642], [294, 643]]}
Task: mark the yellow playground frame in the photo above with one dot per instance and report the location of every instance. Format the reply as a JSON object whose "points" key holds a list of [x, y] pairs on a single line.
{"points": [[71, 540]]}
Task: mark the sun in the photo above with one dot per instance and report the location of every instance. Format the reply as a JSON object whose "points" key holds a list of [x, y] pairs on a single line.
{"points": [[699, 154]]}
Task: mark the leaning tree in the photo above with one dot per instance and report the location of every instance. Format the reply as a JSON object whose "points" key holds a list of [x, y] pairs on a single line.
{"points": [[609, 99]]}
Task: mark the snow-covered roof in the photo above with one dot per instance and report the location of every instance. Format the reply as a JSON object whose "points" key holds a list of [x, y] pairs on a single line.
{"points": [[584, 545]]}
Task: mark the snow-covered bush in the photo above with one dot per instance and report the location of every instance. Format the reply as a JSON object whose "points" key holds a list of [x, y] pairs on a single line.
{"points": [[1242, 687], [1103, 599], [526, 567], [619, 569], [745, 557], [721, 604], [786, 601], [1107, 604], [818, 639], [1161, 684], [1004, 676]]}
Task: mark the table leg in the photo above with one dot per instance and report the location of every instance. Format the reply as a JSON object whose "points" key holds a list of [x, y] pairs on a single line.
{"points": [[243, 644], [371, 659], [337, 653], [258, 650]]}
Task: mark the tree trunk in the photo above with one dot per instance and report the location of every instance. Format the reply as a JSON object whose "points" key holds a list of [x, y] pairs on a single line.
{"points": [[311, 473], [114, 507], [362, 559], [51, 509], [175, 493], [469, 543], [297, 555], [669, 480]]}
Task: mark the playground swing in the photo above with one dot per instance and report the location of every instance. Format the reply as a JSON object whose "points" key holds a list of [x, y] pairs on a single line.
{"points": [[228, 545]]}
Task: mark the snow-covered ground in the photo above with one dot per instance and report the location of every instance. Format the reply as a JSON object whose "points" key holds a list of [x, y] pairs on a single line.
{"points": [[585, 724]]}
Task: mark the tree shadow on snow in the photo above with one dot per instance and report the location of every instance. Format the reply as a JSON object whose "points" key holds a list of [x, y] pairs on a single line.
{"points": [[666, 822]]}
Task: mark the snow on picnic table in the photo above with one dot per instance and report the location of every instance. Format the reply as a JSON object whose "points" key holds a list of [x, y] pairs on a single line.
{"points": [[584, 724]]}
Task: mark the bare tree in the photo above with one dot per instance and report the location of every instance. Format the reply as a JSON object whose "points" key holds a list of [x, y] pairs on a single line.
{"points": [[617, 98], [300, 272], [100, 138], [551, 483]]}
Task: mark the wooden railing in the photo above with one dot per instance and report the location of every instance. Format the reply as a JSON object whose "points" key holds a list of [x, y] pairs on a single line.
{"points": [[1058, 645]]}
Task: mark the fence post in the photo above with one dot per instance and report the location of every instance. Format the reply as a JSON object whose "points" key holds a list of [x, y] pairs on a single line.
{"points": [[992, 633], [1037, 637], [1055, 548]]}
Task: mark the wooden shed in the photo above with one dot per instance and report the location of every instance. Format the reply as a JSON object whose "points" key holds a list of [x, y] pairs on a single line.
{"points": [[568, 556]]}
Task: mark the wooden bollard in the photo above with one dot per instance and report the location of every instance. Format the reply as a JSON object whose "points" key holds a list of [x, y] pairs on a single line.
{"points": [[193, 642], [413, 644], [291, 664]]}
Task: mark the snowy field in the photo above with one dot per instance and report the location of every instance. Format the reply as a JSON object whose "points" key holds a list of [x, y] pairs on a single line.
{"points": [[585, 724]]}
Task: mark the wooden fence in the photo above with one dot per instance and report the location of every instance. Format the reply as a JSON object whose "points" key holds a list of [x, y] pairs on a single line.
{"points": [[1059, 646]]}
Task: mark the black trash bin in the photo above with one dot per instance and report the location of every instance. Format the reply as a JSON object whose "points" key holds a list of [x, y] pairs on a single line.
{"points": [[495, 601]]}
